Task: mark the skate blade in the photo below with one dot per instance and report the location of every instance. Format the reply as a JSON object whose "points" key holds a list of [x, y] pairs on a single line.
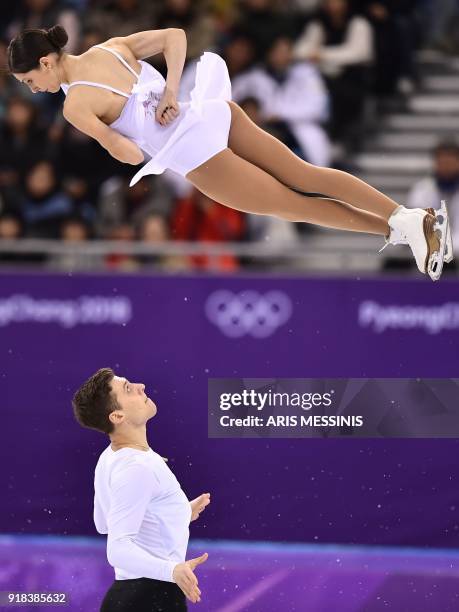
{"points": [[436, 256], [449, 242]]}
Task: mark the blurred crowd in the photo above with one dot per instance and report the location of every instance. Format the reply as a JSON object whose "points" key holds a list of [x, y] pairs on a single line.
{"points": [[311, 72]]}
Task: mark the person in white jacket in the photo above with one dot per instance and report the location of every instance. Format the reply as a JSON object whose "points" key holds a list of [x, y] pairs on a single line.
{"points": [[138, 502], [291, 92], [341, 43], [443, 184]]}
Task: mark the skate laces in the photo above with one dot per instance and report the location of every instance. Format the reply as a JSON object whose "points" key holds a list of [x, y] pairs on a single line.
{"points": [[395, 237]]}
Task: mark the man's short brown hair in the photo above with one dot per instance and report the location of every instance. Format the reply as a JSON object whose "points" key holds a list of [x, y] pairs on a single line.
{"points": [[95, 400]]}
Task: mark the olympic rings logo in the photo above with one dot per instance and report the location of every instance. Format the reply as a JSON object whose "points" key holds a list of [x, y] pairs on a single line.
{"points": [[248, 312]]}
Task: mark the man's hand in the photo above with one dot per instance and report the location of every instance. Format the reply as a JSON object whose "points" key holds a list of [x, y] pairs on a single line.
{"points": [[198, 505], [168, 107], [183, 575]]}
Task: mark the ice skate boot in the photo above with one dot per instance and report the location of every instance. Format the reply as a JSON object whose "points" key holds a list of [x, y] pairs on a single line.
{"points": [[418, 228]]}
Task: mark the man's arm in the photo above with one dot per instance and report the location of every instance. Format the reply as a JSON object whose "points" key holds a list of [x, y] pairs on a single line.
{"points": [[132, 488], [119, 147]]}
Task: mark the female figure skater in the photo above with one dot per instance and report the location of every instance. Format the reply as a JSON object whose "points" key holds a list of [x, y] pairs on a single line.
{"points": [[128, 107]]}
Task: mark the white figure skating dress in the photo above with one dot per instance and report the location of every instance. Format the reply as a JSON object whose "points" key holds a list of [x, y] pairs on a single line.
{"points": [[200, 130]]}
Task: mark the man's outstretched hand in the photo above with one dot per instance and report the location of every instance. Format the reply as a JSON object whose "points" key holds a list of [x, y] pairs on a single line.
{"points": [[185, 578], [198, 505]]}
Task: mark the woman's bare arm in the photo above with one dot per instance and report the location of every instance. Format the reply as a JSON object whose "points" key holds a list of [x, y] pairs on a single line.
{"points": [[150, 42], [119, 147], [171, 42]]}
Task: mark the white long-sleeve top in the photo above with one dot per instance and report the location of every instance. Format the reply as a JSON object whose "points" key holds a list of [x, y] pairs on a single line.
{"points": [[302, 97], [140, 505], [357, 47]]}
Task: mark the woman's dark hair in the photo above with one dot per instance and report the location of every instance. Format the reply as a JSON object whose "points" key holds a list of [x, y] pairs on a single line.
{"points": [[26, 49]]}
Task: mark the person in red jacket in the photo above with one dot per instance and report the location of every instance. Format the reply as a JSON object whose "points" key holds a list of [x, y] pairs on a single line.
{"points": [[200, 218]]}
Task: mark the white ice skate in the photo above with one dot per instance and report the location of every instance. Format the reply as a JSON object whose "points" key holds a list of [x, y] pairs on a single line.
{"points": [[425, 236]]}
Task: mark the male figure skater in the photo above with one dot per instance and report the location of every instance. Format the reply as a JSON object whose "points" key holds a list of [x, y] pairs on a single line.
{"points": [[138, 502]]}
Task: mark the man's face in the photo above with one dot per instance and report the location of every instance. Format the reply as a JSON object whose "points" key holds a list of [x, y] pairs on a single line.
{"points": [[336, 7], [136, 406], [280, 54]]}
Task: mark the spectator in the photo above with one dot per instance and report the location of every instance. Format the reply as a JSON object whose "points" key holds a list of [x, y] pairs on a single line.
{"points": [[279, 129], [119, 203], [188, 15], [225, 13], [91, 36], [82, 156], [8, 14], [74, 230], [154, 230], [10, 197], [441, 21], [238, 54], [118, 259], [22, 140], [119, 18], [252, 108], [443, 184], [306, 7], [199, 218], [394, 27], [292, 96], [8, 87], [262, 23], [77, 189], [45, 204], [45, 14], [176, 184], [342, 45], [11, 228]]}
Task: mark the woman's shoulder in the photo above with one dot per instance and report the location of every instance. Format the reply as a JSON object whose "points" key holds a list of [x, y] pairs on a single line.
{"points": [[117, 44], [86, 63]]}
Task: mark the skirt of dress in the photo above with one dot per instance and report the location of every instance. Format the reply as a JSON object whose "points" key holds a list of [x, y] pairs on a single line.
{"points": [[203, 129]]}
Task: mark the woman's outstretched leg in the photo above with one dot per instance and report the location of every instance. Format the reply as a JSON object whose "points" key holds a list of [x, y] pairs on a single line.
{"points": [[258, 147], [235, 182]]}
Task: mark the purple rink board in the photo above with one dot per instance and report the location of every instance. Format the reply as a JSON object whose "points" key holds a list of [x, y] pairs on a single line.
{"points": [[173, 333], [248, 577]]}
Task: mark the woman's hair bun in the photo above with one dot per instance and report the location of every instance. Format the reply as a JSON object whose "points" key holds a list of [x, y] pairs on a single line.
{"points": [[57, 36]]}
